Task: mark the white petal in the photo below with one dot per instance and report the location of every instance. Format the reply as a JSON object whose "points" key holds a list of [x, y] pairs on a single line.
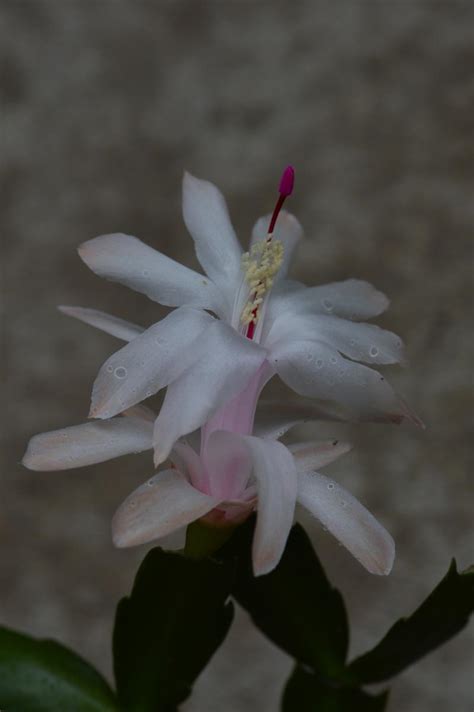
{"points": [[348, 520], [223, 371], [125, 259], [217, 247], [287, 230], [314, 455], [315, 370], [228, 465], [87, 444], [350, 299], [275, 474], [149, 362], [275, 417], [361, 342], [158, 507], [105, 322], [188, 462]]}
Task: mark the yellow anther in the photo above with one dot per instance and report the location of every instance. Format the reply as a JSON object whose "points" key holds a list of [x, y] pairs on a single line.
{"points": [[260, 266]]}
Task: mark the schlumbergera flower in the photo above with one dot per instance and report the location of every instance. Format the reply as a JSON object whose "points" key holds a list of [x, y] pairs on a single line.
{"points": [[233, 329]]}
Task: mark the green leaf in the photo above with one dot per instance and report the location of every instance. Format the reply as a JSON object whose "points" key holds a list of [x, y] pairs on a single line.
{"points": [[304, 692], [166, 632], [444, 613], [44, 676], [294, 605]]}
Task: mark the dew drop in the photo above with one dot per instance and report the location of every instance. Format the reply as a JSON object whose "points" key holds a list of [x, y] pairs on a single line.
{"points": [[309, 357], [120, 372], [151, 482], [110, 369], [344, 503], [330, 486], [373, 351], [352, 342], [132, 504], [319, 363], [328, 305], [333, 359]]}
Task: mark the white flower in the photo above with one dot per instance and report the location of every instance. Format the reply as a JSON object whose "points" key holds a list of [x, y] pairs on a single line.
{"points": [[231, 331], [309, 336], [232, 476]]}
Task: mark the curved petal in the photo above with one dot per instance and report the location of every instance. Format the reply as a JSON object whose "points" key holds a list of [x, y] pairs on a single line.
{"points": [[105, 322], [348, 520], [158, 507], [217, 247], [87, 444], [223, 371], [275, 474], [313, 455], [125, 259], [350, 299], [275, 417], [188, 462], [361, 342], [149, 362], [314, 369], [228, 464], [287, 230]]}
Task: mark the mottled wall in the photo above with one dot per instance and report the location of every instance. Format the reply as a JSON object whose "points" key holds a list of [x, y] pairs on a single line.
{"points": [[104, 102]]}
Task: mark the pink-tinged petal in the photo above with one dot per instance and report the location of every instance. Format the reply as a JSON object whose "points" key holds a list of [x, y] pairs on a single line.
{"points": [[87, 444], [314, 455], [348, 520], [275, 474], [223, 371], [315, 370], [228, 464], [188, 462], [350, 299], [275, 417], [149, 362], [158, 507], [217, 247], [125, 259], [287, 230], [361, 342], [105, 322]]}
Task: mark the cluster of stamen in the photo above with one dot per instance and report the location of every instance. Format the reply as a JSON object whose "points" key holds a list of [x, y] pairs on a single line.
{"points": [[260, 266], [262, 263]]}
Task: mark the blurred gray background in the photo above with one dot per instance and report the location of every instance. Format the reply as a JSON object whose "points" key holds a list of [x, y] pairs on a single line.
{"points": [[104, 103]]}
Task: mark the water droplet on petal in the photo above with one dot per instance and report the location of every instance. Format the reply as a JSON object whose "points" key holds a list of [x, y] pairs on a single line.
{"points": [[344, 503], [120, 372], [319, 363], [333, 359], [309, 357], [110, 369], [373, 351], [330, 486], [328, 305]]}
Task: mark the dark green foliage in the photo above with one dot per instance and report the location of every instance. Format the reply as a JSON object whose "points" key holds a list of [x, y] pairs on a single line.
{"points": [[295, 605], [168, 629], [444, 613], [304, 692], [43, 676]]}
